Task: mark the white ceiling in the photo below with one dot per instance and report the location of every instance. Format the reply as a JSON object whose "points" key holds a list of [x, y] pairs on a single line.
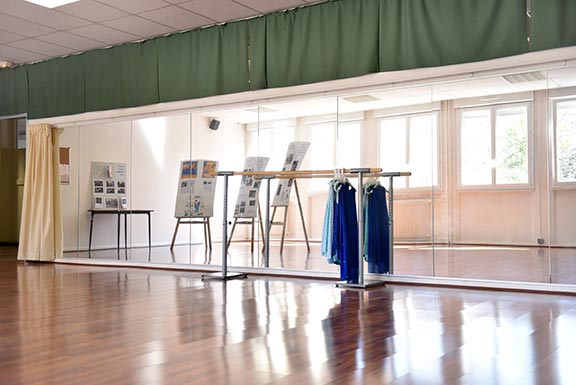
{"points": [[29, 32]]}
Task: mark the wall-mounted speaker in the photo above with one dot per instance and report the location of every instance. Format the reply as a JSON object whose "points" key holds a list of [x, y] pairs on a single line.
{"points": [[214, 124]]}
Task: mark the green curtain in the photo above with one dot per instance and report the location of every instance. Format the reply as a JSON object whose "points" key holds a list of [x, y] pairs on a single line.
{"points": [[428, 33], [203, 62], [13, 91], [257, 52], [123, 76], [552, 24], [331, 40], [56, 87]]}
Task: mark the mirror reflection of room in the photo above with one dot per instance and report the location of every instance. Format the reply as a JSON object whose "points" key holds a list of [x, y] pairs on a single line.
{"points": [[489, 196]]}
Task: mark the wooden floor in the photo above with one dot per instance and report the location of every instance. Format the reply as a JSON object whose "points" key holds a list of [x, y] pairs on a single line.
{"points": [[64, 324]]}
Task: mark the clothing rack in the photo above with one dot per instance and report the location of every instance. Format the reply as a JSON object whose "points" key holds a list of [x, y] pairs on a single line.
{"points": [[360, 173]]}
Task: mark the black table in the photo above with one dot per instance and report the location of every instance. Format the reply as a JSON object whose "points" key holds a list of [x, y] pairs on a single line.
{"points": [[119, 213]]}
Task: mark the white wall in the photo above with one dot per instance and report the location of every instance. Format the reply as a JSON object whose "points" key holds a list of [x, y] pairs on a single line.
{"points": [[152, 150]]}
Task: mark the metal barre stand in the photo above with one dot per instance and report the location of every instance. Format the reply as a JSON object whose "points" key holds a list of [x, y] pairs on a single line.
{"points": [[224, 275], [361, 283], [364, 284]]}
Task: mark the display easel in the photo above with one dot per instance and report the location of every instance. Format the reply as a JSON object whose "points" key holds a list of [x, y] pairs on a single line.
{"points": [[252, 223], [189, 221], [247, 207], [283, 223], [195, 196]]}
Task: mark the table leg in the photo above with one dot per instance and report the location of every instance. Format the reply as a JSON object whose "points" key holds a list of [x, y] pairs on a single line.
{"points": [[90, 236], [149, 232]]}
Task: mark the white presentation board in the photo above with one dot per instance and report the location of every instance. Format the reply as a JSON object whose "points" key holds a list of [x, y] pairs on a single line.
{"points": [[196, 189], [247, 202], [109, 189], [294, 157]]}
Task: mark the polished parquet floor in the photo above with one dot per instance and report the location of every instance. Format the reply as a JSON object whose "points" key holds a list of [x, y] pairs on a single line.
{"points": [[72, 324]]}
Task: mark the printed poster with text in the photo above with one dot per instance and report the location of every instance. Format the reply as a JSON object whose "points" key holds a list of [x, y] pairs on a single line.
{"points": [[294, 157], [196, 189], [108, 186], [247, 202]]}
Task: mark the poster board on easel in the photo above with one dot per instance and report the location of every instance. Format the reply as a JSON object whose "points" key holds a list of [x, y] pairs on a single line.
{"points": [[247, 206], [109, 188], [195, 196], [247, 201], [196, 189], [294, 157]]}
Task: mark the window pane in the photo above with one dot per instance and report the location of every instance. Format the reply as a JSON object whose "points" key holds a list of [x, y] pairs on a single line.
{"points": [[423, 150], [321, 152], [512, 145], [393, 147], [273, 143], [566, 141], [475, 147], [349, 145]]}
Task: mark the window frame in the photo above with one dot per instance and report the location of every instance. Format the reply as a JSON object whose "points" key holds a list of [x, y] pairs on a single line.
{"points": [[436, 114], [494, 186], [555, 182], [335, 127]]}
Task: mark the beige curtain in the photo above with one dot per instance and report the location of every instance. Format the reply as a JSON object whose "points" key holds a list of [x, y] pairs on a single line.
{"points": [[41, 224]]}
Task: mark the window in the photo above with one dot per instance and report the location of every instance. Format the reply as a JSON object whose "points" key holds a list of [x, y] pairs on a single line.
{"points": [[565, 140], [410, 143], [334, 145], [494, 146], [271, 141]]}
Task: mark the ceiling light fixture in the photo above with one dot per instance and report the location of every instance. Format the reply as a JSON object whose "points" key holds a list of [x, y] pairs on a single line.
{"points": [[6, 64], [52, 3]]}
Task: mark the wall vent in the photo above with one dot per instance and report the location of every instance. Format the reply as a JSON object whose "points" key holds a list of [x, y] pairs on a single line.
{"points": [[525, 77], [361, 98]]}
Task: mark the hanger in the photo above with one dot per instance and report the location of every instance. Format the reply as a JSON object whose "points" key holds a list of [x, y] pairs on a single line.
{"points": [[339, 179], [371, 183]]}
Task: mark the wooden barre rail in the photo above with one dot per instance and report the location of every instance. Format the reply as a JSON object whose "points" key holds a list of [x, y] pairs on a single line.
{"points": [[370, 172]]}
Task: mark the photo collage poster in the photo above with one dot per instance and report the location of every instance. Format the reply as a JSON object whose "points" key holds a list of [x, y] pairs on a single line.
{"points": [[247, 202], [196, 189], [294, 157], [108, 186]]}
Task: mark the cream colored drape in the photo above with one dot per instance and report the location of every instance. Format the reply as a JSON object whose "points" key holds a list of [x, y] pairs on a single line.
{"points": [[41, 224]]}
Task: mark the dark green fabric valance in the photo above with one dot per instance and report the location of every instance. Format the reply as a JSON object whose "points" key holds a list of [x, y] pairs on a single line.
{"points": [[429, 33], [257, 53], [331, 40], [552, 24], [13, 91], [56, 87], [120, 77], [204, 62]]}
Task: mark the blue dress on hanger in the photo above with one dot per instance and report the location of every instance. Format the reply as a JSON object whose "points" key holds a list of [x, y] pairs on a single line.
{"points": [[376, 231], [345, 238], [328, 227]]}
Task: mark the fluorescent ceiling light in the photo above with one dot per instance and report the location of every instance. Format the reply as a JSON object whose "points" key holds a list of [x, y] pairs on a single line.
{"points": [[52, 3]]}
